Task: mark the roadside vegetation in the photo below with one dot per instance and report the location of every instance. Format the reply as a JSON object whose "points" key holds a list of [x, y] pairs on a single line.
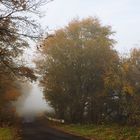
{"points": [[87, 81], [9, 133], [102, 132]]}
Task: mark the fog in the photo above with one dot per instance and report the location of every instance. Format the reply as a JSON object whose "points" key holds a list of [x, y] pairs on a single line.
{"points": [[31, 102]]}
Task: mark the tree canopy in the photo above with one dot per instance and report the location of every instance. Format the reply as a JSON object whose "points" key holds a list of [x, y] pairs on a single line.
{"points": [[85, 79], [77, 61]]}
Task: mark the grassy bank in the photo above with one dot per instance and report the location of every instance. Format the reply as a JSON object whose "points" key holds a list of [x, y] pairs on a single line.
{"points": [[102, 132], [8, 133]]}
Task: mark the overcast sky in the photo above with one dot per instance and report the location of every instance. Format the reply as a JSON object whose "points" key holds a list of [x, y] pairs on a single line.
{"points": [[122, 15]]}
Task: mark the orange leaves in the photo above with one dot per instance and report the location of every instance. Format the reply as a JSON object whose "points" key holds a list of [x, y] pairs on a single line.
{"points": [[126, 67], [11, 94], [129, 89]]}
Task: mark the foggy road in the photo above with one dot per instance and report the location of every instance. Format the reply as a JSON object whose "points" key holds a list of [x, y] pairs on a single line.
{"points": [[39, 130]]}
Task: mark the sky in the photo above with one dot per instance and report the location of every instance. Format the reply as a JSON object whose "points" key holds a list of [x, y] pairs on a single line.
{"points": [[122, 15]]}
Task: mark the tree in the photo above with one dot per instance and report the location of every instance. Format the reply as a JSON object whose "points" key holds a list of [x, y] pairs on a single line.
{"points": [[123, 102], [9, 92], [16, 28], [77, 60], [131, 87]]}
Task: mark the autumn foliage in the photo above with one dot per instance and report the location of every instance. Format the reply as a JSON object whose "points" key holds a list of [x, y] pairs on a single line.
{"points": [[85, 79], [16, 29]]}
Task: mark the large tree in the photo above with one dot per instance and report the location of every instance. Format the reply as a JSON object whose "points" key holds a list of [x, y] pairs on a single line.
{"points": [[76, 61]]}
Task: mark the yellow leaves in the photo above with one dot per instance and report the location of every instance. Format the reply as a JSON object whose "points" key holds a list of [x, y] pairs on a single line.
{"points": [[126, 67], [128, 89]]}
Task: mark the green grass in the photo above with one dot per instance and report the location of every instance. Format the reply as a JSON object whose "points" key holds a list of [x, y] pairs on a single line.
{"points": [[103, 132], [8, 133]]}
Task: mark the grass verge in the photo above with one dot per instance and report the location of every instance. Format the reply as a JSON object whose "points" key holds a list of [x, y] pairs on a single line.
{"points": [[9, 133], [102, 132]]}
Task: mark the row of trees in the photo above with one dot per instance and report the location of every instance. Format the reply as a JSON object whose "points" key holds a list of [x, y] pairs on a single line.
{"points": [[16, 28], [85, 79]]}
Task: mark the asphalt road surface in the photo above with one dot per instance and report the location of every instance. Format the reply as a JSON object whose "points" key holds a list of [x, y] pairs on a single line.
{"points": [[40, 130]]}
